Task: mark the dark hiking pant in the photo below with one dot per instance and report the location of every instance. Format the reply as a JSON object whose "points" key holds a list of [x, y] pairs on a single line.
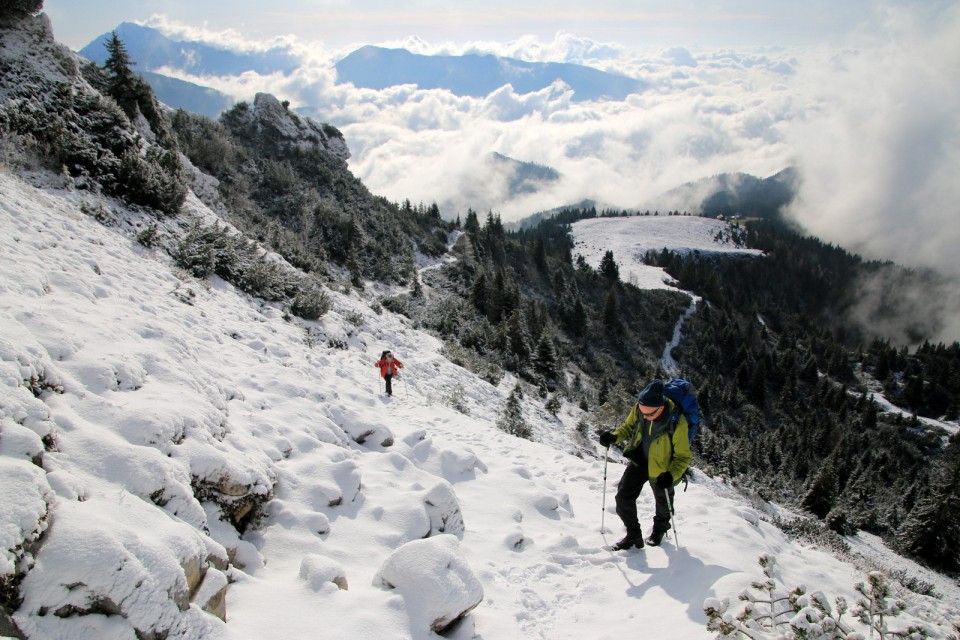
{"points": [[387, 378], [628, 490]]}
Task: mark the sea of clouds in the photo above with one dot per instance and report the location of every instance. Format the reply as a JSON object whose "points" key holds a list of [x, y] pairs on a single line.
{"points": [[870, 122]]}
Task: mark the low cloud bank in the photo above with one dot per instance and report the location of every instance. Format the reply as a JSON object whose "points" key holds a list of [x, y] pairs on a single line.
{"points": [[872, 129], [879, 159]]}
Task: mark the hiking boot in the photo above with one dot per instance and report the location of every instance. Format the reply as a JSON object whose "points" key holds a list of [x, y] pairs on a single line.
{"points": [[630, 541], [655, 538]]}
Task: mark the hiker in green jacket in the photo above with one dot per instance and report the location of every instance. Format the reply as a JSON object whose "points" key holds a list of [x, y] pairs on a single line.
{"points": [[656, 445]]}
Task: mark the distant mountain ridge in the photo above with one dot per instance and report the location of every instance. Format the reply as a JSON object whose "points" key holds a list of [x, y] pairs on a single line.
{"points": [[150, 50], [737, 194], [478, 75], [725, 194]]}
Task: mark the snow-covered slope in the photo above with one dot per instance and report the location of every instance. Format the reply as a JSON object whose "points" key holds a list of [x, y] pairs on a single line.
{"points": [[631, 238], [147, 417]]}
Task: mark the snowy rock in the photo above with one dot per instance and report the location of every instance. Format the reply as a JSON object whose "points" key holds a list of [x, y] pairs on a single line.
{"points": [[24, 498], [335, 484], [443, 508], [240, 490], [458, 462], [116, 558], [319, 571], [515, 540], [363, 433], [436, 583], [415, 437], [211, 594], [19, 442]]}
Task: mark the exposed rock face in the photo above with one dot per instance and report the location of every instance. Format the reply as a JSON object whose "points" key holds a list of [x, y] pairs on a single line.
{"points": [[294, 129]]}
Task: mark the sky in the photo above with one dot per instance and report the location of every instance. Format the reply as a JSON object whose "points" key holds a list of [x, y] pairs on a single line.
{"points": [[860, 96], [386, 513], [631, 22]]}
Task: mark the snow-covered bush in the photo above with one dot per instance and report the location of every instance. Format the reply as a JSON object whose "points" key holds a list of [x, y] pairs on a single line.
{"points": [[456, 399], [76, 127], [24, 503], [206, 251], [268, 280], [311, 303], [772, 613]]}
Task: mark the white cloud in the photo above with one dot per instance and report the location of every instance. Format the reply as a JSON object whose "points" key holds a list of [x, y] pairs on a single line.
{"points": [[879, 146]]}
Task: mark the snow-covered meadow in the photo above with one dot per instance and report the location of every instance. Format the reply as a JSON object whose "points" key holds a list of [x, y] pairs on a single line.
{"points": [[146, 418], [630, 238]]}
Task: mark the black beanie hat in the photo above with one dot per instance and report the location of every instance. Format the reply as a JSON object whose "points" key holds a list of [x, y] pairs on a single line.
{"points": [[652, 395]]}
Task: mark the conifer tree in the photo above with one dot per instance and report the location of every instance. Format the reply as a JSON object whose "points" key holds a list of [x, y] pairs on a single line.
{"points": [[611, 312], [932, 530], [519, 338], [546, 360], [608, 267], [577, 321], [478, 294], [511, 420], [123, 86], [822, 494]]}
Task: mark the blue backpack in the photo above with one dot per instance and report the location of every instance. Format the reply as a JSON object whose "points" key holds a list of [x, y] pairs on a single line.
{"points": [[685, 397]]}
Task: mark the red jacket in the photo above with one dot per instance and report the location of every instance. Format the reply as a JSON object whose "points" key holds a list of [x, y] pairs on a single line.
{"points": [[388, 367]]}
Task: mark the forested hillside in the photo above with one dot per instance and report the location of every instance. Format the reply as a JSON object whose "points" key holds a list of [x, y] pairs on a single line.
{"points": [[787, 384]]}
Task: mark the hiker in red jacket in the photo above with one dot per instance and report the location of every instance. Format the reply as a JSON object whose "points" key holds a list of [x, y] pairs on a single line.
{"points": [[388, 368]]}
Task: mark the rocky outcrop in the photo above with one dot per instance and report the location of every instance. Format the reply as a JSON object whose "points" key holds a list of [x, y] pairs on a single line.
{"points": [[276, 119]]}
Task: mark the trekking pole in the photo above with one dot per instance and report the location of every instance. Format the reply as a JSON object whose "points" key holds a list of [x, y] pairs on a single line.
{"points": [[603, 505], [673, 520]]}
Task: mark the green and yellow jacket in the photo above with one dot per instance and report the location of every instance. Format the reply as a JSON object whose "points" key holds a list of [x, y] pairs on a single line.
{"points": [[651, 439]]}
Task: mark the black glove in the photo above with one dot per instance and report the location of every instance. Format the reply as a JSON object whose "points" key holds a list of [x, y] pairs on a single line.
{"points": [[607, 438], [665, 480]]}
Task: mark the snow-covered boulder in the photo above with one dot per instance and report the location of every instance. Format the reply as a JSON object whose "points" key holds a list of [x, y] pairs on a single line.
{"points": [[321, 572], [443, 509], [239, 486], [361, 430], [115, 566], [461, 463], [435, 581]]}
